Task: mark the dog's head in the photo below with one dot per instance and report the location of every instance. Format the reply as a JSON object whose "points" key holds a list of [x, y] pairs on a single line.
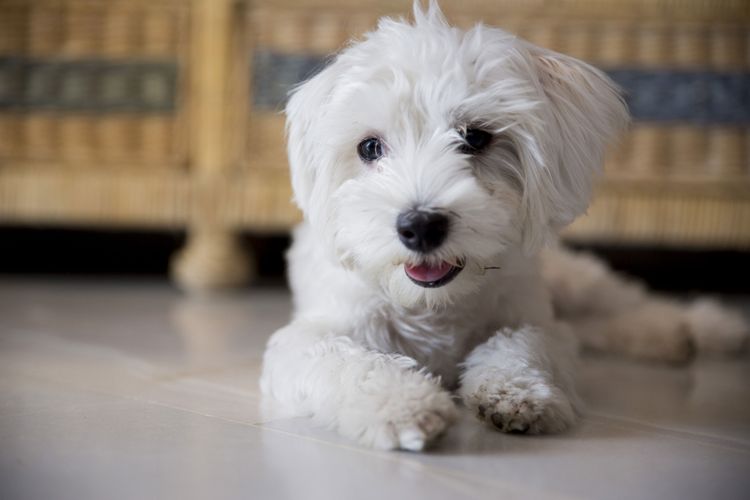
{"points": [[424, 153]]}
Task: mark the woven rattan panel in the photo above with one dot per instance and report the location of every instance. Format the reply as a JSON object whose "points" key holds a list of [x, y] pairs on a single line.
{"points": [[92, 82], [96, 98]]}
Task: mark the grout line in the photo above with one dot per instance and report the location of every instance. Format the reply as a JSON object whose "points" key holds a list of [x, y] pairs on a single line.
{"points": [[704, 439]]}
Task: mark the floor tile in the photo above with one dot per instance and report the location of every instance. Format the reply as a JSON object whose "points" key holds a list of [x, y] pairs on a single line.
{"points": [[133, 390], [710, 397], [141, 450]]}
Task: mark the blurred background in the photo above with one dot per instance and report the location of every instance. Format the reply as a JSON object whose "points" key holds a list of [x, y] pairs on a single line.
{"points": [[144, 137], [142, 144]]}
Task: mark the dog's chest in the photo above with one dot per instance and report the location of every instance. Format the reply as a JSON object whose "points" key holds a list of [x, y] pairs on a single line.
{"points": [[438, 341]]}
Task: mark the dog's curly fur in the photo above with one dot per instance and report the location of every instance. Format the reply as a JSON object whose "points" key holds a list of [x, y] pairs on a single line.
{"points": [[371, 353]]}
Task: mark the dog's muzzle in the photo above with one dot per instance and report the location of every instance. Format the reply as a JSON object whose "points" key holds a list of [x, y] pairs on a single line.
{"points": [[423, 231]]}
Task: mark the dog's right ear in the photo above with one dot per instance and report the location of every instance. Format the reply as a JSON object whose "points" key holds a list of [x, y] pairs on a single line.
{"points": [[306, 107]]}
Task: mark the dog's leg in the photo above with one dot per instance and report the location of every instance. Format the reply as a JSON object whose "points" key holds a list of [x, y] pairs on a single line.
{"points": [[381, 400], [520, 381], [611, 313]]}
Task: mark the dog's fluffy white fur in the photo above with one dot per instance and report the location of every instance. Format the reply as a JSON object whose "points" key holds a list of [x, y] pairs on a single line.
{"points": [[372, 354]]}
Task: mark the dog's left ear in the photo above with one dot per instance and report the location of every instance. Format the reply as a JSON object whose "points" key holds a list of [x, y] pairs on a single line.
{"points": [[584, 113], [305, 141]]}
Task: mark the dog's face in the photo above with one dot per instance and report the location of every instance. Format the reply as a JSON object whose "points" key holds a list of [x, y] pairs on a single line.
{"points": [[423, 153]]}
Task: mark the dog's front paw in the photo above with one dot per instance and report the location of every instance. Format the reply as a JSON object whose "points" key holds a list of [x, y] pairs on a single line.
{"points": [[408, 417], [416, 432], [527, 406]]}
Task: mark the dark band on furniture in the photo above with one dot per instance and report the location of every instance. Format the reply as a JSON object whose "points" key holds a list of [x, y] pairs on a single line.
{"points": [[653, 95], [104, 86], [99, 86], [275, 74]]}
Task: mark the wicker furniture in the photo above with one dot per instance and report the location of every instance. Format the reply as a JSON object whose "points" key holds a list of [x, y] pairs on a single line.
{"points": [[165, 113]]}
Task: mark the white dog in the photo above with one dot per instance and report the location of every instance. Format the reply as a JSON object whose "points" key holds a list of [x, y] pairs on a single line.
{"points": [[432, 166]]}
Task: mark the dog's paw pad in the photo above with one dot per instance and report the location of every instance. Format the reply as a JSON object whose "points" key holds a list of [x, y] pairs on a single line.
{"points": [[514, 418], [522, 410]]}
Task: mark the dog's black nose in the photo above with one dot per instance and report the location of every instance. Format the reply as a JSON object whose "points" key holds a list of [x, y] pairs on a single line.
{"points": [[422, 231]]}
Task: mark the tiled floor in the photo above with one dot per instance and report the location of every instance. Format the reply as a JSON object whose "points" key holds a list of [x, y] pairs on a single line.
{"points": [[132, 390]]}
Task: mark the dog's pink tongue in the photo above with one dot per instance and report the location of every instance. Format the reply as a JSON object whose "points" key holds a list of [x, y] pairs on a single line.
{"points": [[424, 272]]}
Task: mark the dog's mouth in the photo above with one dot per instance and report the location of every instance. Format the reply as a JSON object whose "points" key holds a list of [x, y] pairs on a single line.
{"points": [[433, 276]]}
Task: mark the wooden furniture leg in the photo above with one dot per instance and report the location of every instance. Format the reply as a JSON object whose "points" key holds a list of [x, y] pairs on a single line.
{"points": [[212, 259]]}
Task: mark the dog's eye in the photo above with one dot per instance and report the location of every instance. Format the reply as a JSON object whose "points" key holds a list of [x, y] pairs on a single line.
{"points": [[475, 140], [370, 149]]}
